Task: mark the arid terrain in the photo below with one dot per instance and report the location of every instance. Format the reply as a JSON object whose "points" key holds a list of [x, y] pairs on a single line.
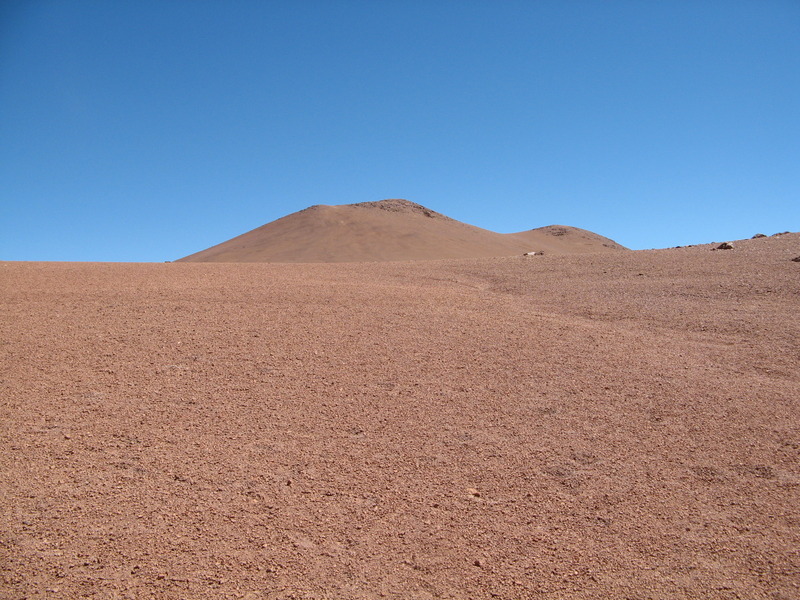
{"points": [[603, 425]]}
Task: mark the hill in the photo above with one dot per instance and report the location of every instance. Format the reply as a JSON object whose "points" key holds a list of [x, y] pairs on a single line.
{"points": [[389, 230]]}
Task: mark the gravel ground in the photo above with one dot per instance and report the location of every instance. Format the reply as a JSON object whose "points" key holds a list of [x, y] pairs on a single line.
{"points": [[620, 425]]}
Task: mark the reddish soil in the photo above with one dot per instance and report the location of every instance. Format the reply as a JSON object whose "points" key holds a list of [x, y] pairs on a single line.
{"points": [[619, 425]]}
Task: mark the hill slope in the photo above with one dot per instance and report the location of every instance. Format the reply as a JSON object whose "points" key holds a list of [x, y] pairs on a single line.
{"points": [[612, 425], [389, 230]]}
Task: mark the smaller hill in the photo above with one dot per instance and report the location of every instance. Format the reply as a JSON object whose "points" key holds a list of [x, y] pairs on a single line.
{"points": [[561, 239]]}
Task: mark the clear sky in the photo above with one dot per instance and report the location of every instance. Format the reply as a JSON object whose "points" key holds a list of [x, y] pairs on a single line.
{"points": [[148, 130]]}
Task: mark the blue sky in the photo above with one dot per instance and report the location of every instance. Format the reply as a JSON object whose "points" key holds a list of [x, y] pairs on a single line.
{"points": [[145, 131]]}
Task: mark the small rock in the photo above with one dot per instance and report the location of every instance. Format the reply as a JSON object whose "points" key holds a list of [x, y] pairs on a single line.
{"points": [[473, 492], [796, 259], [724, 246], [758, 235], [478, 563]]}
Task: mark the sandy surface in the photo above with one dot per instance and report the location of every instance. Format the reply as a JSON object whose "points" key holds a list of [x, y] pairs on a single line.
{"points": [[621, 425]]}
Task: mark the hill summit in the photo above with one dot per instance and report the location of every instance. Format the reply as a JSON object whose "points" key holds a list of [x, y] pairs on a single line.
{"points": [[389, 230]]}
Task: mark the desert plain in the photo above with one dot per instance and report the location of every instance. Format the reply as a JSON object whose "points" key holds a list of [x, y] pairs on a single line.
{"points": [[603, 425]]}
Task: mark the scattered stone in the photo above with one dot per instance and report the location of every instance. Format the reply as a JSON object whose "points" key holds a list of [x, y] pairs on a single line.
{"points": [[724, 246], [796, 259], [758, 235], [304, 543]]}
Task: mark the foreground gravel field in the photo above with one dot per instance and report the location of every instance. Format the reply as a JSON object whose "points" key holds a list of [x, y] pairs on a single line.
{"points": [[620, 425]]}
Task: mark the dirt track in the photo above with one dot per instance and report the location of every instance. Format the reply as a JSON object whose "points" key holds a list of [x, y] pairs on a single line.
{"points": [[603, 426]]}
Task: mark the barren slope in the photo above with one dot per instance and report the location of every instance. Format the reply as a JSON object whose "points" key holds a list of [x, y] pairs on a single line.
{"points": [[621, 425], [389, 230]]}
